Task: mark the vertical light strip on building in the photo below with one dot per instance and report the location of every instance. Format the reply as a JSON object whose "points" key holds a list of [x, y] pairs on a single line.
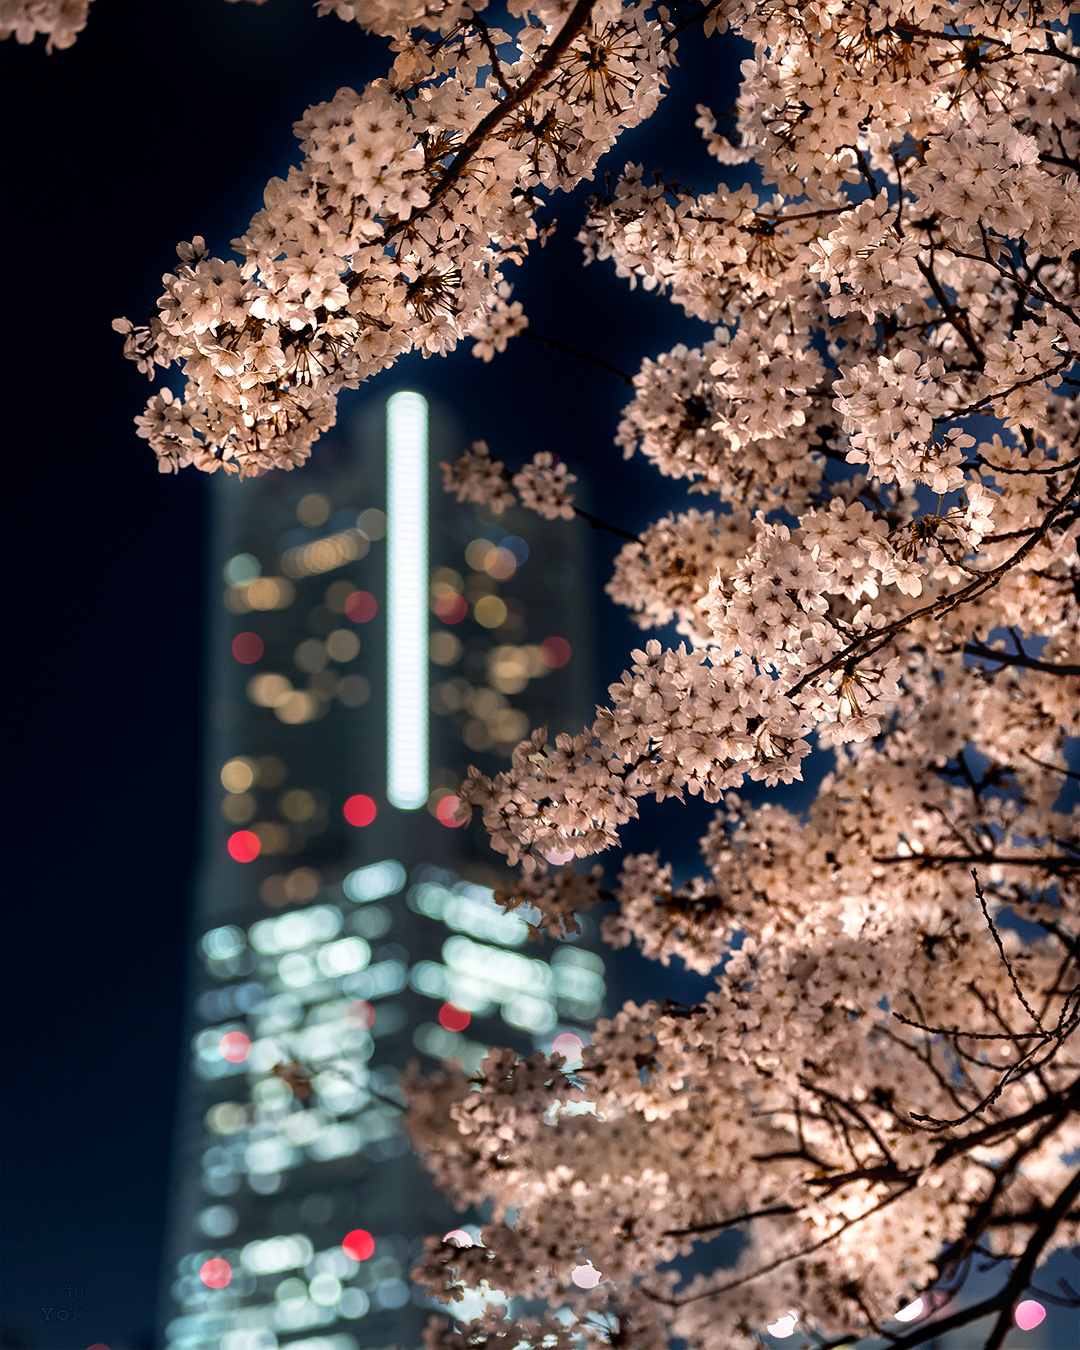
{"points": [[406, 601]]}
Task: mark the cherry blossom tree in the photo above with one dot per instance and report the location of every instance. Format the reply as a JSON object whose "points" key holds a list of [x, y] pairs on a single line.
{"points": [[879, 1092]]}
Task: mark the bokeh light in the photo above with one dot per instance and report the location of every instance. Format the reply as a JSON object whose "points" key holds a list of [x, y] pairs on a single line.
{"points": [[235, 1047], [555, 652], [586, 1276], [450, 607], [570, 1047], [453, 1018], [459, 1238], [244, 567], [490, 612], [244, 846], [446, 812], [500, 564], [1029, 1314], [314, 509], [784, 1326], [445, 649], [358, 1244], [910, 1311], [215, 1273], [342, 645], [517, 547], [237, 775], [361, 606], [372, 522], [247, 648], [360, 1015], [297, 805], [359, 810]]}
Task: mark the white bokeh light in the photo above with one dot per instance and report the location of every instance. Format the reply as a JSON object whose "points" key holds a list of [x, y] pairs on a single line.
{"points": [[586, 1276]]}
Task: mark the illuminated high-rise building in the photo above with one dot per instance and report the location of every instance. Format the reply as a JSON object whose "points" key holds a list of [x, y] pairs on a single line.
{"points": [[370, 639]]}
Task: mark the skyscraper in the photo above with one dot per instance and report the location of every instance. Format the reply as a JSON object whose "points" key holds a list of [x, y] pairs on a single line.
{"points": [[345, 921]]}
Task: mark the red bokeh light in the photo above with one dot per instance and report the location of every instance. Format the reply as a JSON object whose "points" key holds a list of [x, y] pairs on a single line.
{"points": [[451, 607], [555, 652], [244, 846], [98, 1345], [235, 1047], [454, 1018], [1029, 1314], [358, 1244], [359, 810], [446, 812], [570, 1047], [247, 647], [361, 606], [215, 1273], [360, 1015]]}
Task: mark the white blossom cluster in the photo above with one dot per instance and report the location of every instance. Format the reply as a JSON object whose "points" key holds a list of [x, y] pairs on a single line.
{"points": [[59, 21], [682, 418], [393, 233], [880, 1084], [866, 1070], [864, 315], [543, 485], [667, 575]]}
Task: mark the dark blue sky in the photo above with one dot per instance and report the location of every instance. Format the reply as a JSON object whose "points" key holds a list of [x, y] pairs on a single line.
{"points": [[162, 122]]}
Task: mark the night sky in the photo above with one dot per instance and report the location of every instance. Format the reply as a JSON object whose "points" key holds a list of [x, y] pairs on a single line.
{"points": [[164, 121]]}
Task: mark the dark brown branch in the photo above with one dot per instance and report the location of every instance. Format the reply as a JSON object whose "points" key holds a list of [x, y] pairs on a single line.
{"points": [[581, 356], [943, 604], [1019, 659], [952, 314], [1002, 953], [1054, 865], [575, 22], [701, 14], [732, 1222], [605, 525], [1004, 1301]]}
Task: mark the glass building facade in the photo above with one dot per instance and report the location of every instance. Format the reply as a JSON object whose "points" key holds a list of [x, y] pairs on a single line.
{"points": [[369, 640]]}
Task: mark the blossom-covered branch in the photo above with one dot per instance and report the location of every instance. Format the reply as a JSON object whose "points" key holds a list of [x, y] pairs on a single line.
{"points": [[394, 232]]}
